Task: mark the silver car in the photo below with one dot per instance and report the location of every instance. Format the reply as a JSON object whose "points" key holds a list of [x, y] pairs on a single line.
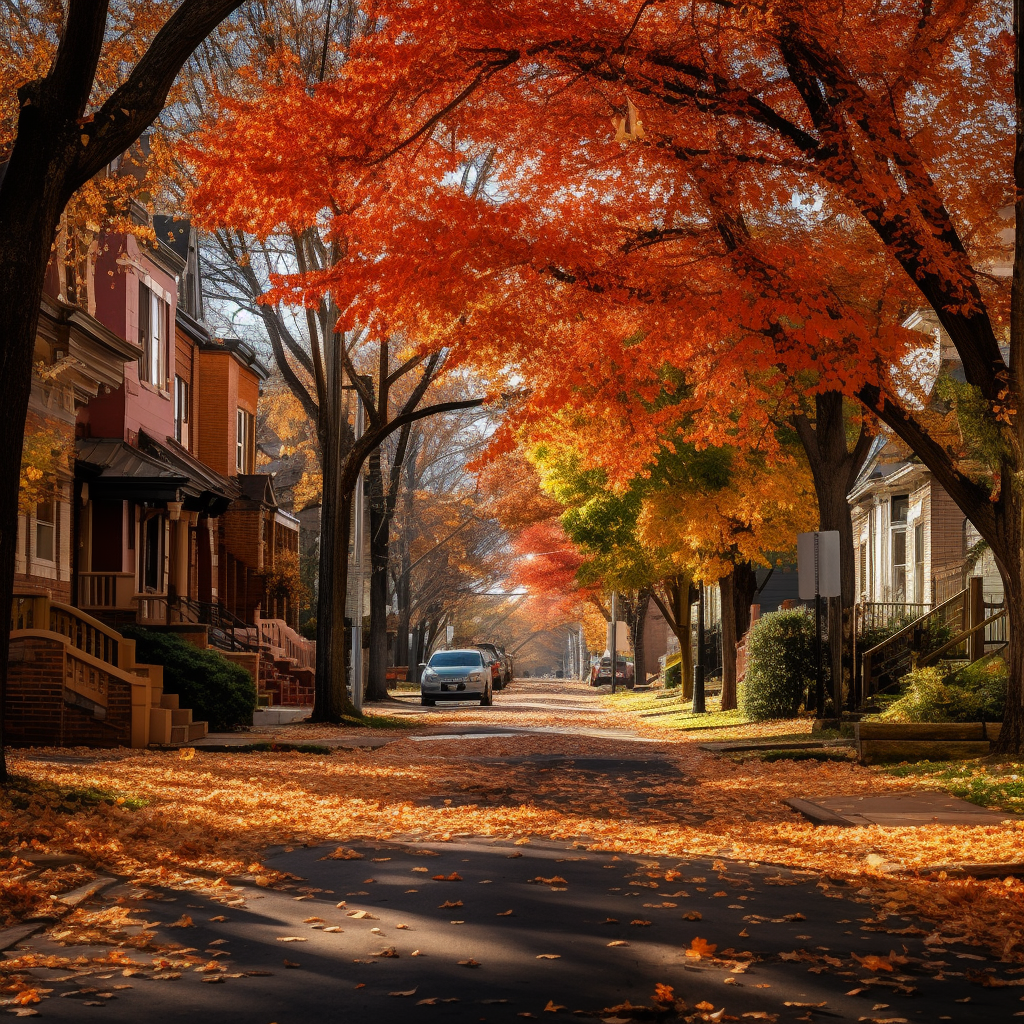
{"points": [[456, 675]]}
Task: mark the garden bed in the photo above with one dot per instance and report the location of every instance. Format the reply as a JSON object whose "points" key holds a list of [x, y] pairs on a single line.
{"points": [[893, 742]]}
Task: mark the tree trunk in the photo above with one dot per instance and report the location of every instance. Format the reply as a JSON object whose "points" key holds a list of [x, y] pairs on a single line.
{"points": [[834, 468], [675, 606], [737, 590], [1011, 569], [30, 211], [637, 629], [380, 528]]}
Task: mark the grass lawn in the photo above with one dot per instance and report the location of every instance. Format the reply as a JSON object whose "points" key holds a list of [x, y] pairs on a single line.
{"points": [[989, 783]]}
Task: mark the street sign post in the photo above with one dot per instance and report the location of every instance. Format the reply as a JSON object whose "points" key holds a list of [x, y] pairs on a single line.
{"points": [[818, 565], [449, 632]]}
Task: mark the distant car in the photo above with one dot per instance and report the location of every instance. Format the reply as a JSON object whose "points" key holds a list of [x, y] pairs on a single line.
{"points": [[457, 675], [494, 658], [601, 674], [508, 666]]}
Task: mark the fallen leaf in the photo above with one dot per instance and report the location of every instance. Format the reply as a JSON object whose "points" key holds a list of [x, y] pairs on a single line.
{"points": [[423, 871], [333, 928], [362, 915], [410, 992], [552, 1008], [619, 942], [694, 915], [469, 963], [187, 753], [640, 924], [183, 922], [290, 963], [453, 877], [449, 903], [291, 938], [343, 853], [220, 917], [700, 947], [549, 956], [504, 913]]}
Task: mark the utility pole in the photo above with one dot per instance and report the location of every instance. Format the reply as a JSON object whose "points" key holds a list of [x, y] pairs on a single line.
{"points": [[357, 565], [699, 707]]}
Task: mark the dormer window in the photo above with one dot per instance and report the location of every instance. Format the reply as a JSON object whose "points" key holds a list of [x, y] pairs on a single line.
{"points": [[153, 333]]}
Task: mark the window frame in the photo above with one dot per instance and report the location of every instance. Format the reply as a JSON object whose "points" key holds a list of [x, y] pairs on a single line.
{"points": [[43, 525], [245, 441], [182, 411], [154, 331]]}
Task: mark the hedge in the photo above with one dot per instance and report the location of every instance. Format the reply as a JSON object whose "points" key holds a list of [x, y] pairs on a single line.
{"points": [[217, 690], [780, 665]]}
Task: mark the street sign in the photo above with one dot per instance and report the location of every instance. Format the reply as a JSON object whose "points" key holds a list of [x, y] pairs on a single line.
{"points": [[817, 556]]}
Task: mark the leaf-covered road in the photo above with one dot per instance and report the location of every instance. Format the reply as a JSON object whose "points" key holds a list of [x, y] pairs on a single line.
{"points": [[587, 816]]}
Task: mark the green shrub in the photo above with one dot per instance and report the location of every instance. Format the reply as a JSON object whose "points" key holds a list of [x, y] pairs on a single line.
{"points": [[674, 673], [217, 690], [976, 693], [781, 664]]}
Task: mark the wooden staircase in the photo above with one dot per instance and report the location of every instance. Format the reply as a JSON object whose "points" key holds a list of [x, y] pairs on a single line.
{"points": [[287, 664], [88, 662], [975, 634]]}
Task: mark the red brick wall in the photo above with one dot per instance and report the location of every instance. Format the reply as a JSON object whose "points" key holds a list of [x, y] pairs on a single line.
{"points": [[35, 709]]}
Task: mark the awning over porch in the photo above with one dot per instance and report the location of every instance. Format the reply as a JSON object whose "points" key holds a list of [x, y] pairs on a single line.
{"points": [[151, 474]]}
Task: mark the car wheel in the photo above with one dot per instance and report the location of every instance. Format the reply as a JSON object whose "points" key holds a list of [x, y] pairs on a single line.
{"points": [[487, 699], [428, 702]]}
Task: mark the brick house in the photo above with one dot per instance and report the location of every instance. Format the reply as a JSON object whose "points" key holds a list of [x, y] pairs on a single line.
{"points": [[158, 517]]}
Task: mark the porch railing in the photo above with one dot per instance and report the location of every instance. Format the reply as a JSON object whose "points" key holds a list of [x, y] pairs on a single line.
{"points": [[277, 634], [83, 631], [106, 590]]}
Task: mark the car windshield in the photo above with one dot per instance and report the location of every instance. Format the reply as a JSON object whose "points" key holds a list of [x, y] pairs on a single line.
{"points": [[456, 659]]}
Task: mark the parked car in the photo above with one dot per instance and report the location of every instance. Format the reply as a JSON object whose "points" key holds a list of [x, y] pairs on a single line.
{"points": [[493, 656], [509, 666], [601, 673], [457, 675]]}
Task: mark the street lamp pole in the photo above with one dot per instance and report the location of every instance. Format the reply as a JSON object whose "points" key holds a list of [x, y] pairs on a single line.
{"points": [[699, 707], [612, 630]]}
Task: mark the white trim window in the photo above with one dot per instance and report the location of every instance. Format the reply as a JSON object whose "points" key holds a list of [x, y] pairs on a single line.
{"points": [[46, 531], [245, 439], [154, 317], [182, 400]]}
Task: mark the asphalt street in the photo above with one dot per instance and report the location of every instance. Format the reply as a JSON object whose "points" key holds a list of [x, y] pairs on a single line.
{"points": [[480, 931]]}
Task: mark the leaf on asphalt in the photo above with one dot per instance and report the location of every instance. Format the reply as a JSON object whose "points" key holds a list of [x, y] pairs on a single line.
{"points": [[402, 926], [183, 922], [699, 948], [410, 992], [816, 1006], [306, 920], [665, 995], [694, 915], [619, 942], [362, 915], [333, 928], [469, 963], [610, 920], [343, 853], [219, 917], [504, 913], [453, 877], [387, 951], [549, 956], [291, 938], [874, 963], [512, 856], [449, 903], [258, 974], [552, 1007], [416, 952], [640, 924], [491, 1002], [290, 963], [422, 871], [366, 881], [522, 842], [554, 880]]}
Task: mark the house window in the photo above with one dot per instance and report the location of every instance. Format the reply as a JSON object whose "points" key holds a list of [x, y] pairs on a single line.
{"points": [[919, 594], [244, 441], [153, 331], [900, 508], [181, 409], [46, 528]]}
